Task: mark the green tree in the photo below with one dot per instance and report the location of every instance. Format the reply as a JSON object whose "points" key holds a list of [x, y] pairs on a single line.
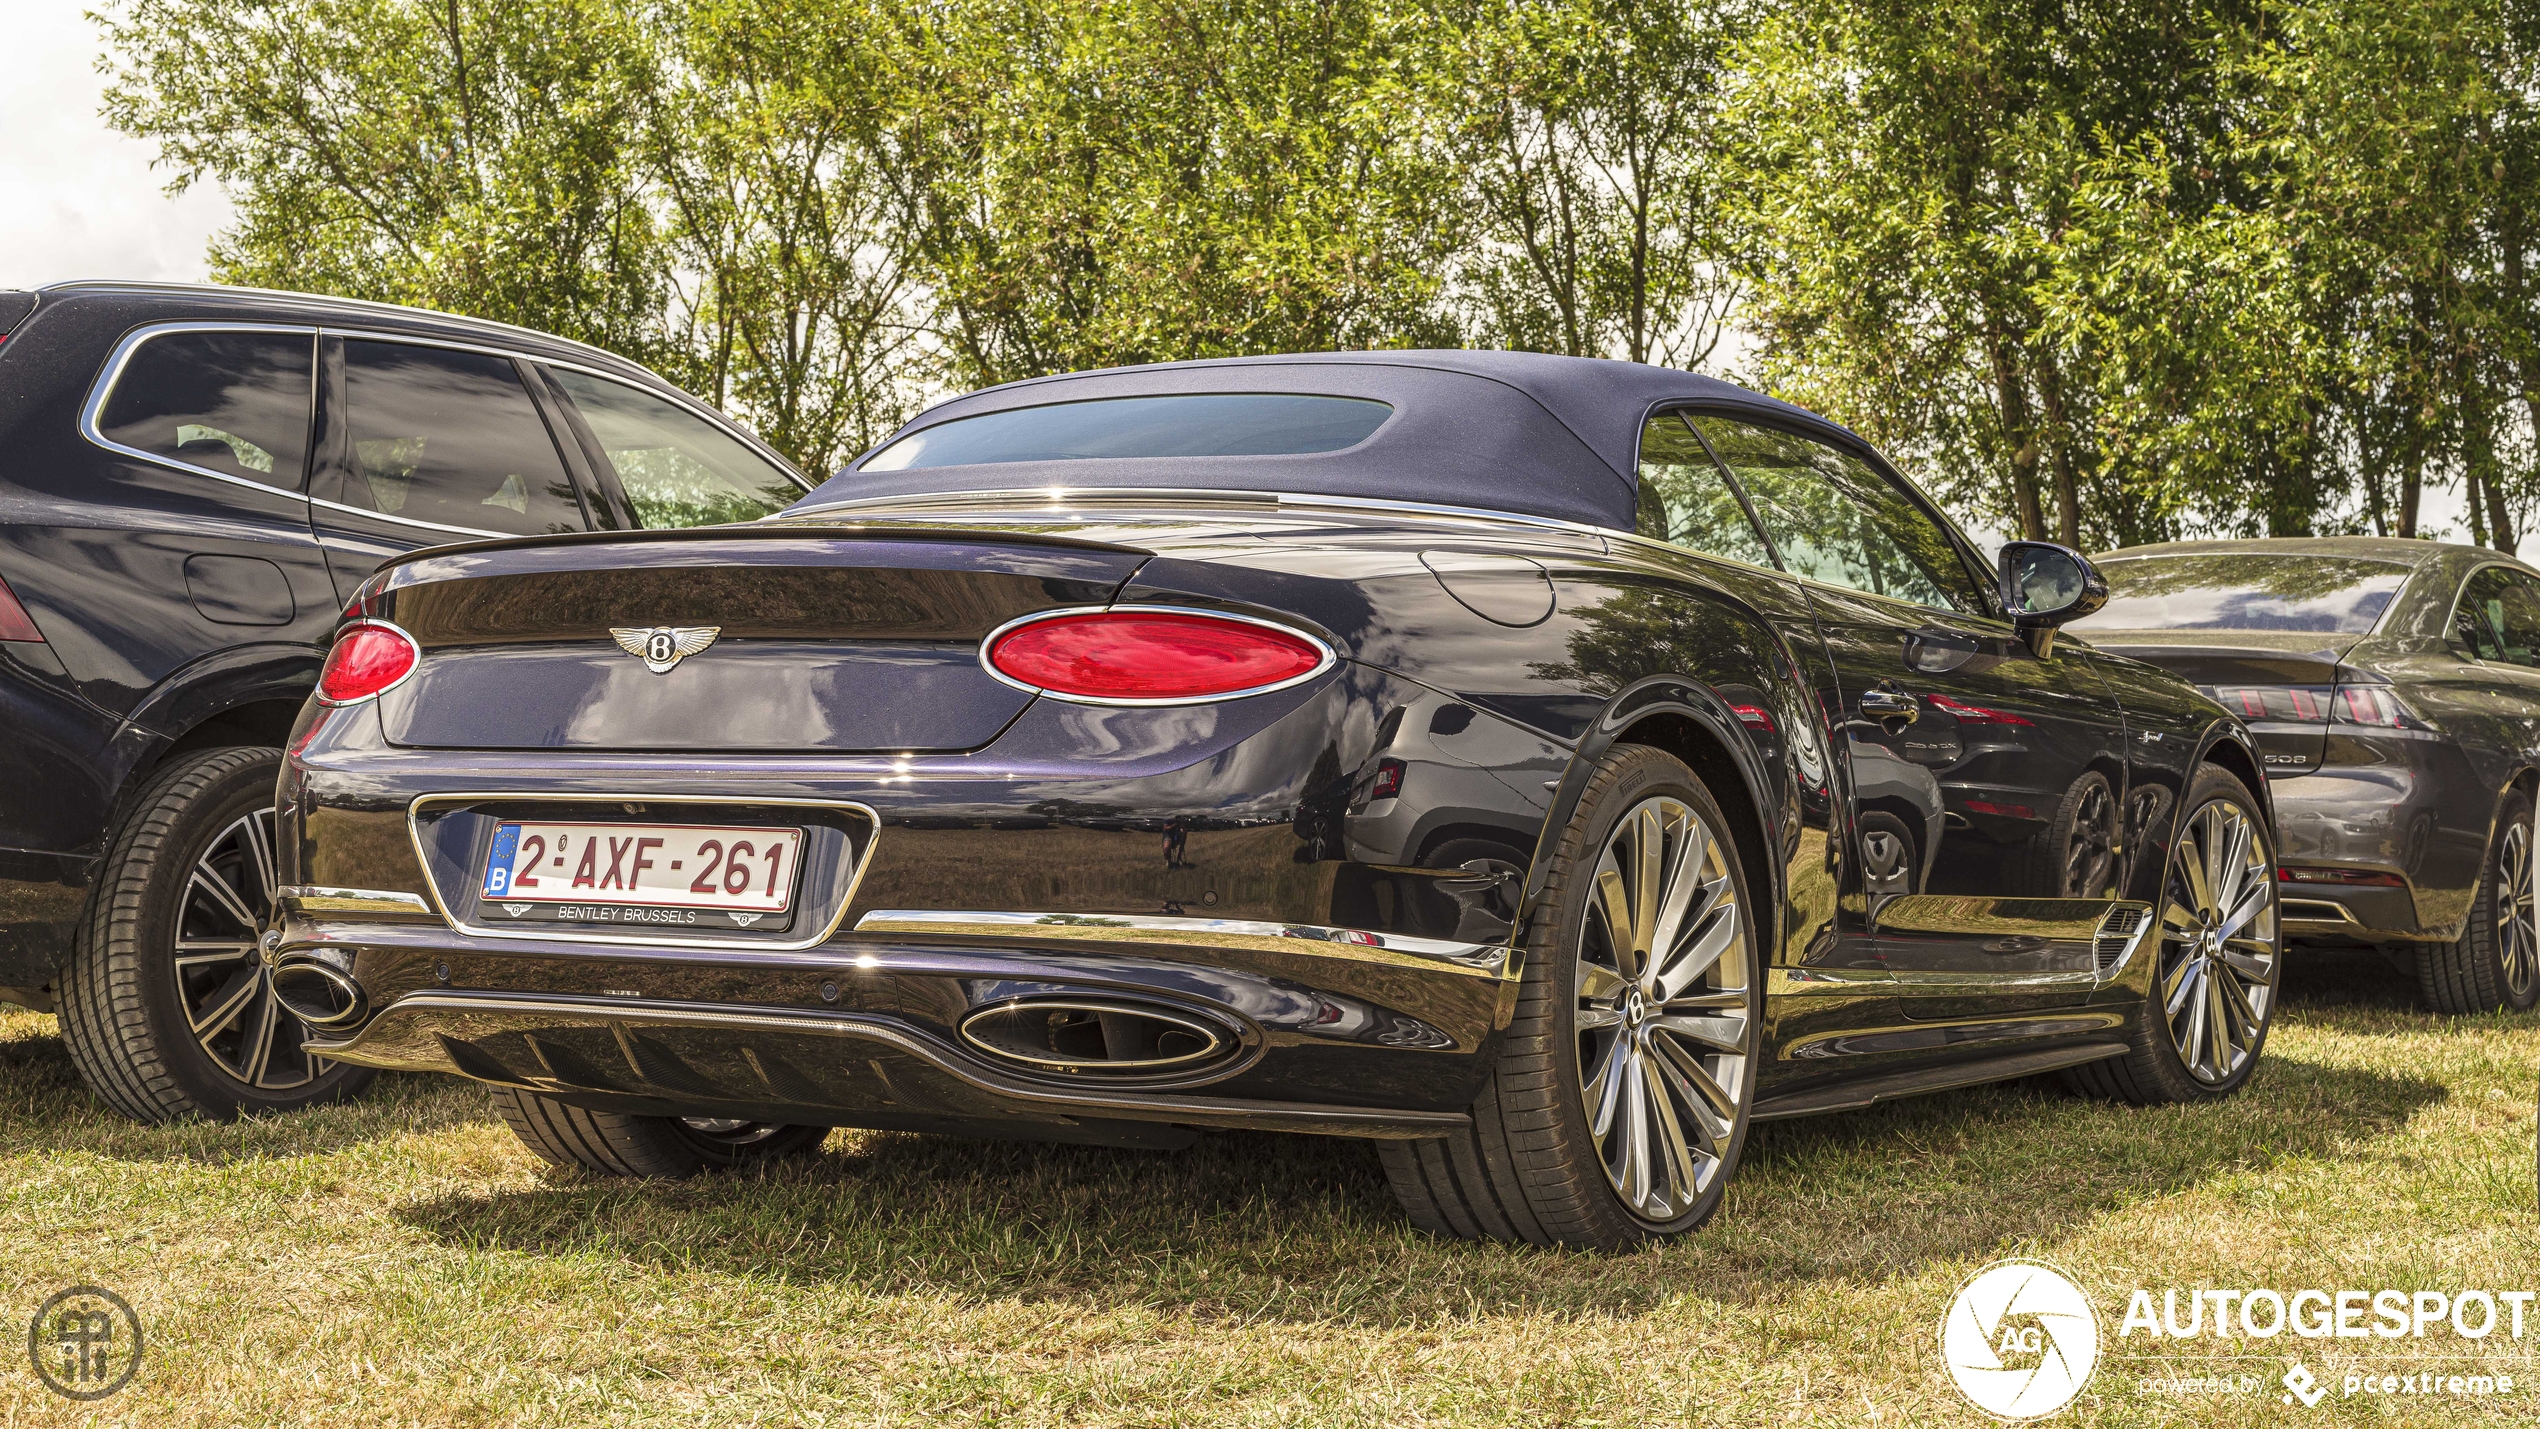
{"points": [[476, 158], [1588, 135], [1152, 180]]}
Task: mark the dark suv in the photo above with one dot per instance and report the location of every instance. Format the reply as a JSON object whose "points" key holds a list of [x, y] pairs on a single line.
{"points": [[193, 480]]}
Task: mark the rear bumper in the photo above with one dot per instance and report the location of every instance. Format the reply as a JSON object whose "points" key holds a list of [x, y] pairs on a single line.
{"points": [[795, 1066], [2405, 807], [1225, 887]]}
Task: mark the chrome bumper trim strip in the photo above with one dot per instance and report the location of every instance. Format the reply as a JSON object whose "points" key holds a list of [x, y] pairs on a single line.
{"points": [[312, 898], [1481, 959]]}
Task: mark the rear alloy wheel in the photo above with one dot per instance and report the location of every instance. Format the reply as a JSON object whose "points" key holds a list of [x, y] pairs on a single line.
{"points": [[2215, 969], [1620, 1102], [611, 1143], [167, 1005], [2495, 964]]}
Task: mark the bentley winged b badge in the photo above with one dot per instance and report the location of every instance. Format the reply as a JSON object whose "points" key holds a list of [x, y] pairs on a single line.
{"points": [[662, 646]]}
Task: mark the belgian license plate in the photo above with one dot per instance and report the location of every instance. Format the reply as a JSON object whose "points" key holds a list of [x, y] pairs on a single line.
{"points": [[649, 875]]}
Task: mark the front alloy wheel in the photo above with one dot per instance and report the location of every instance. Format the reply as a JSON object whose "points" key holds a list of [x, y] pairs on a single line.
{"points": [[2218, 942], [2199, 1031]]}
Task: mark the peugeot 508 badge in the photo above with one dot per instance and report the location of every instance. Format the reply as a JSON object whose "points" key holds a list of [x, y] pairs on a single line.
{"points": [[662, 646]]}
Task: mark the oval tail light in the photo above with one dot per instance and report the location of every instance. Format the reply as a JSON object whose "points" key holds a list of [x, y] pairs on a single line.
{"points": [[369, 658], [1152, 657]]}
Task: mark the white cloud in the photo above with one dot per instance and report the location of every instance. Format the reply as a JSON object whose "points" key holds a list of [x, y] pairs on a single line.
{"points": [[81, 201]]}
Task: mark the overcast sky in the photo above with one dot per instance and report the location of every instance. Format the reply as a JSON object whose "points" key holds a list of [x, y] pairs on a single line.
{"points": [[81, 200]]}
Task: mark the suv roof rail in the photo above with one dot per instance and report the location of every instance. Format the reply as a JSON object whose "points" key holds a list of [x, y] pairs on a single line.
{"points": [[162, 286]]}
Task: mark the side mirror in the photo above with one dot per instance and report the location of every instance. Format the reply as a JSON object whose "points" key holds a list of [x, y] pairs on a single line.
{"points": [[2045, 585]]}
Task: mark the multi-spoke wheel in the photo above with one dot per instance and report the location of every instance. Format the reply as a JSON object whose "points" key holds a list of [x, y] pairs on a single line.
{"points": [[2077, 855], [657, 1147], [223, 981], [1619, 1104], [2216, 960], [168, 1004], [2216, 980], [1662, 1016], [2495, 963]]}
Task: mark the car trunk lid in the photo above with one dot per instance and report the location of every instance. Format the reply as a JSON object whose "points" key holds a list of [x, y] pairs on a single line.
{"points": [[747, 639], [2282, 683]]}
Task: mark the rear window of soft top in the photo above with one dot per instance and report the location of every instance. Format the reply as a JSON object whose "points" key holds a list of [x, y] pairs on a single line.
{"points": [[1182, 425]]}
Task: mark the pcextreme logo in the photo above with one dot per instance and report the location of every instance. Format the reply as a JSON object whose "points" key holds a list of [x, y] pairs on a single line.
{"points": [[2020, 1339]]}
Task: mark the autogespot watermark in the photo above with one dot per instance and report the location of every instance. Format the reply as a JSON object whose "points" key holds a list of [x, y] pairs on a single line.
{"points": [[2022, 1338], [85, 1342]]}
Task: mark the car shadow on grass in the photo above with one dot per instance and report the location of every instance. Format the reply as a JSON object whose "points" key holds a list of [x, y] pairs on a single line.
{"points": [[1303, 1230]]}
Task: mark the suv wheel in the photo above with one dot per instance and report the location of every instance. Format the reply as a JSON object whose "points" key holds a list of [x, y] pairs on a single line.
{"points": [[1619, 1105], [2217, 962], [167, 1005], [2496, 963], [655, 1147]]}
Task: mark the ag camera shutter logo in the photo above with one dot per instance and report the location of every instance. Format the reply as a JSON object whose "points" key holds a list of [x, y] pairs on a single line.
{"points": [[2020, 1340]]}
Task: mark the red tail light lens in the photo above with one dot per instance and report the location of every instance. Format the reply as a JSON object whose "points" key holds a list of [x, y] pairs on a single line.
{"points": [[369, 658], [15, 624], [1157, 657]]}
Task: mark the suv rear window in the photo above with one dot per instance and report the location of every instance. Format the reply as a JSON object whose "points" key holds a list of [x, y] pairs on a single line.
{"points": [[236, 403], [2241, 590], [1229, 424]]}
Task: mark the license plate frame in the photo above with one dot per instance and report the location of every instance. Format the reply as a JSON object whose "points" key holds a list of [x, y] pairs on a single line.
{"points": [[594, 874]]}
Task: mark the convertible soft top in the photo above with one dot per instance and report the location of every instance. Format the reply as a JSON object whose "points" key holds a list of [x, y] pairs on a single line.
{"points": [[1524, 432]]}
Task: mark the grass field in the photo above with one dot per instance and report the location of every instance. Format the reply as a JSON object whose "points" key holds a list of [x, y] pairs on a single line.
{"points": [[404, 1261]]}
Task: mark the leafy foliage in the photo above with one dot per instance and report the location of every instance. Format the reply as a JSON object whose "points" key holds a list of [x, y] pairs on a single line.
{"points": [[2104, 273]]}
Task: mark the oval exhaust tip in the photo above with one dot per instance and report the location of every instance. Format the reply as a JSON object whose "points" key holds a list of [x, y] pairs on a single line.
{"points": [[319, 995], [1085, 1036]]}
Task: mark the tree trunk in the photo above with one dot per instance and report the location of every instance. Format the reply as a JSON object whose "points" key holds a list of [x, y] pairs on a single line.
{"points": [[2012, 396], [2409, 488], [2059, 431]]}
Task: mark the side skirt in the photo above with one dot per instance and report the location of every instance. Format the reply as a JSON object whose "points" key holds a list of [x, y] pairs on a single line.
{"points": [[1869, 1091]]}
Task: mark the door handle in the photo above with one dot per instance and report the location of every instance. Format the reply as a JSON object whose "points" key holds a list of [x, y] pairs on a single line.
{"points": [[1889, 705]]}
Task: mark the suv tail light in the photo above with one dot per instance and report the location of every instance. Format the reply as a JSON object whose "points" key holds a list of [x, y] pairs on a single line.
{"points": [[1151, 656], [15, 623], [370, 658]]}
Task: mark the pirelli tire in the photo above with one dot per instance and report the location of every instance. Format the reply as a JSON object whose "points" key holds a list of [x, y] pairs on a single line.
{"points": [[1622, 1003], [659, 1148]]}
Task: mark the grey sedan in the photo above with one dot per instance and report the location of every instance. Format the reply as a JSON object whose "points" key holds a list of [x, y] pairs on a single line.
{"points": [[2394, 689]]}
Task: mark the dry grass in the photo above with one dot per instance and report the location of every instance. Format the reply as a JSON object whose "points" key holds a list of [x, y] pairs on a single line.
{"points": [[404, 1261]]}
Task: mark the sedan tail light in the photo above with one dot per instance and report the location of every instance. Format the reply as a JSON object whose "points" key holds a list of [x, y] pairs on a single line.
{"points": [[1151, 656], [370, 658], [2371, 706]]}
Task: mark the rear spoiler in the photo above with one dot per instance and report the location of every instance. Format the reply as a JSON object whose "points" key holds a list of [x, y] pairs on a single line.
{"points": [[790, 530]]}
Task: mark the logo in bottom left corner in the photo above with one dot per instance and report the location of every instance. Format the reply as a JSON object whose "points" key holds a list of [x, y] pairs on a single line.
{"points": [[2020, 1340], [85, 1342]]}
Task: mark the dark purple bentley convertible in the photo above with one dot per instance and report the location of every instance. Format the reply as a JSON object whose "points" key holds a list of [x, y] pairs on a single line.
{"points": [[1545, 768]]}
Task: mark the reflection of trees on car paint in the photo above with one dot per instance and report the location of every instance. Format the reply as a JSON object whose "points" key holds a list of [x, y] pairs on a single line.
{"points": [[2242, 590]]}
